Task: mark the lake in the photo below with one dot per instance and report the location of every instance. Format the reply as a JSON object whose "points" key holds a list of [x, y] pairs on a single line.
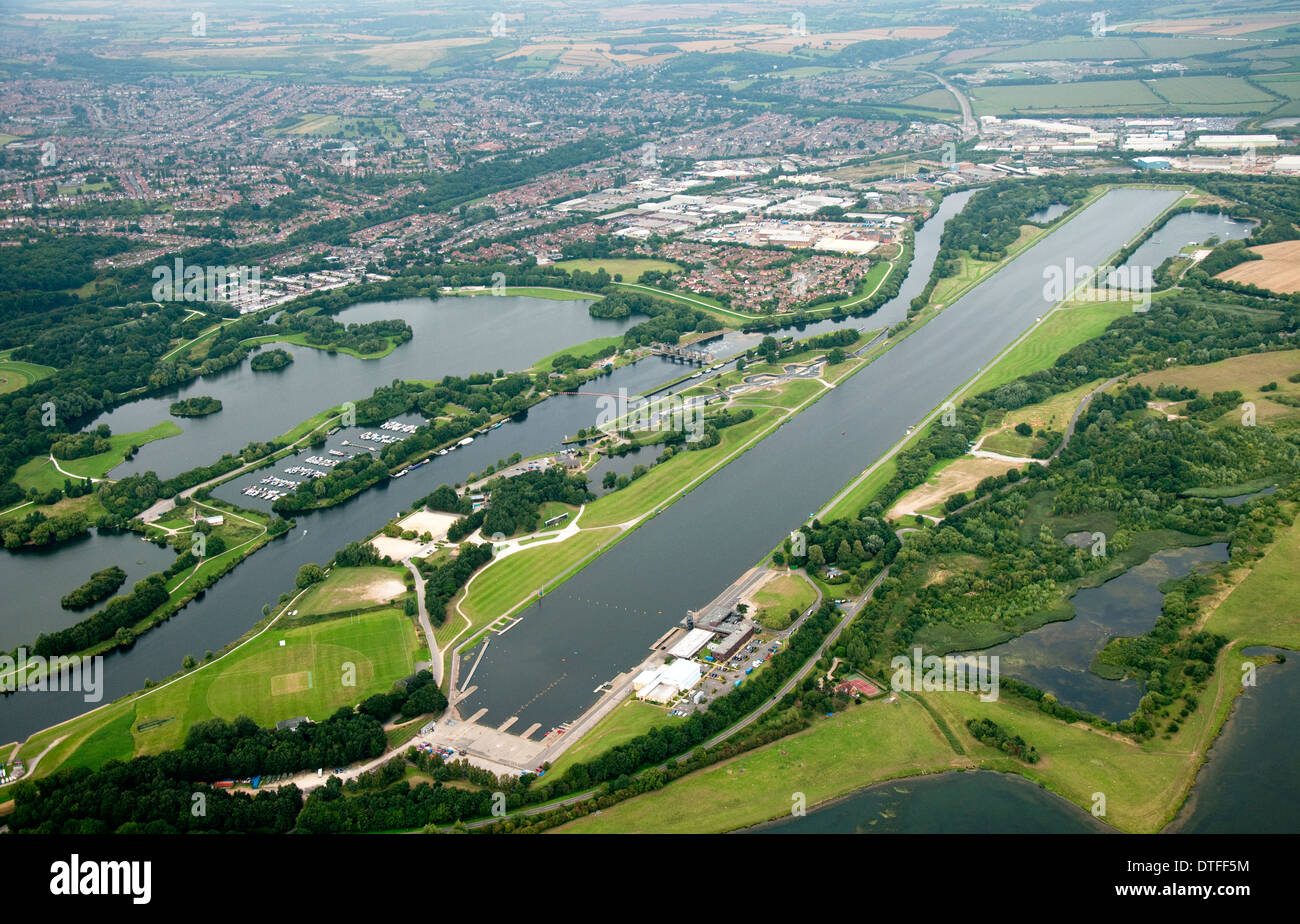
{"points": [[1056, 657], [969, 802]]}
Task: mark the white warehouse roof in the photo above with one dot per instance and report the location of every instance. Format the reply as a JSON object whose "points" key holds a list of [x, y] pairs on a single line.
{"points": [[690, 643]]}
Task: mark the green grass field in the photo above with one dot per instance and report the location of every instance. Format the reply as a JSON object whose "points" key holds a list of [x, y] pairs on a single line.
{"points": [[15, 375], [580, 349], [627, 721], [258, 679], [849, 505], [98, 466], [300, 339], [663, 482], [1061, 331], [267, 682], [111, 741], [1262, 610], [778, 596], [864, 745], [1141, 782], [504, 584], [41, 474], [354, 588], [629, 269]]}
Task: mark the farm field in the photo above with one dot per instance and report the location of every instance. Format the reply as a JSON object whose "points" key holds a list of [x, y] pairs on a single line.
{"points": [[1211, 94], [1111, 47], [934, 99], [1278, 271], [1092, 96]]}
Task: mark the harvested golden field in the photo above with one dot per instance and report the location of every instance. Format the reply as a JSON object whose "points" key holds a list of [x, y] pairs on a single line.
{"points": [[842, 39], [1235, 26], [415, 55], [1240, 373], [1279, 271]]}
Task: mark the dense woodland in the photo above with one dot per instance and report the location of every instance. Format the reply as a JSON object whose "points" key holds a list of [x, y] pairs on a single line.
{"points": [[101, 585]]}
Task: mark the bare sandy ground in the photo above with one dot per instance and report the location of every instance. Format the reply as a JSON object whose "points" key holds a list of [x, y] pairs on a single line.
{"points": [[429, 521], [961, 475]]}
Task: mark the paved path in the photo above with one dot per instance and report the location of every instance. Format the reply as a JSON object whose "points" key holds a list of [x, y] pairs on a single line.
{"points": [[1078, 412], [29, 769], [435, 656], [63, 471]]}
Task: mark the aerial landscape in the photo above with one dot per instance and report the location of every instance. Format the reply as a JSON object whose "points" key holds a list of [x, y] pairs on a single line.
{"points": [[668, 417]]}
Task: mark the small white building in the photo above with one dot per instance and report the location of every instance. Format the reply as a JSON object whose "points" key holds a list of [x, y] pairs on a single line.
{"points": [[662, 684]]}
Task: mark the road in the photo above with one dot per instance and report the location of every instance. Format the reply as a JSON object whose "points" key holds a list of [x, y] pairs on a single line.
{"points": [[435, 657], [970, 126]]}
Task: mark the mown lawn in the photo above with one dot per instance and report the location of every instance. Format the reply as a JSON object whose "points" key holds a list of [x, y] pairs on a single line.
{"points": [[629, 269], [780, 595], [504, 584], [630, 719], [307, 676], [15, 375], [866, 744]]}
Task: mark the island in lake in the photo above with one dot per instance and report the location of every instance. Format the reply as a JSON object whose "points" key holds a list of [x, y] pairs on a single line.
{"points": [[198, 406], [271, 359]]}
